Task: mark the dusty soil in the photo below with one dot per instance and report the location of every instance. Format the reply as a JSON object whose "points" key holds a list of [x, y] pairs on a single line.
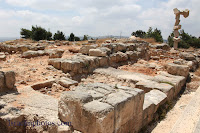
{"points": [[33, 70]]}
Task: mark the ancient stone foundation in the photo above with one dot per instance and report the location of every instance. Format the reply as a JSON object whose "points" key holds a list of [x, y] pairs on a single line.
{"points": [[103, 108]]}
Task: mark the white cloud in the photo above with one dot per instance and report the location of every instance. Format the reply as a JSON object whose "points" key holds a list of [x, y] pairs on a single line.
{"points": [[97, 17]]}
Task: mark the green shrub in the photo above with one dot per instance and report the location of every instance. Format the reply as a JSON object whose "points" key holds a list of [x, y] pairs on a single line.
{"points": [[59, 36]]}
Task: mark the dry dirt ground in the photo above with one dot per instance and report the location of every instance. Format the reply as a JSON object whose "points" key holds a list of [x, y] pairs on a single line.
{"points": [[33, 70]]}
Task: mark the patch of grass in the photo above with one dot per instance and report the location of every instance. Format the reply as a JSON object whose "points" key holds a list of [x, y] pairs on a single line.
{"points": [[167, 83]]}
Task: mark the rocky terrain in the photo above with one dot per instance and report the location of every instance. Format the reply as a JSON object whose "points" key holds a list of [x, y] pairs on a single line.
{"points": [[116, 85]]}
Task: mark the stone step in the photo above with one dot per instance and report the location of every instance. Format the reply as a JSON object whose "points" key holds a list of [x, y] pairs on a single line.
{"points": [[167, 83], [188, 122]]}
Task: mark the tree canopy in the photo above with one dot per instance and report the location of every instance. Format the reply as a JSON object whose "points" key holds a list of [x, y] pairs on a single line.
{"points": [[59, 36], [186, 40], [156, 34]]}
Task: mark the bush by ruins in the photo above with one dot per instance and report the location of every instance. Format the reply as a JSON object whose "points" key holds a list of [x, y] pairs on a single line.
{"points": [[186, 40], [156, 34], [36, 33]]}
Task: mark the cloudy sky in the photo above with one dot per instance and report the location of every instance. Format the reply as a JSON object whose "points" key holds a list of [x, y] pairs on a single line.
{"points": [[96, 17]]}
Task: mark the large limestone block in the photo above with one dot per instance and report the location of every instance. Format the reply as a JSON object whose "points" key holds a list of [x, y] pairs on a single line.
{"points": [[100, 52], [2, 56], [85, 49], [2, 81], [55, 63], [118, 57], [10, 79], [177, 81], [157, 97], [103, 61], [131, 47], [132, 55], [31, 54], [165, 87], [117, 47], [70, 108], [148, 111], [43, 84], [56, 53], [187, 56], [175, 69], [98, 117], [67, 82], [124, 107], [72, 65]]}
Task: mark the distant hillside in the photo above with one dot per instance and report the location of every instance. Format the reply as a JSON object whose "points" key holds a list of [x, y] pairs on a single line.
{"points": [[2, 39]]}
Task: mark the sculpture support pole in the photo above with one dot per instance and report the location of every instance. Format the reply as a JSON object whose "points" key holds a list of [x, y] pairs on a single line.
{"points": [[176, 38]]}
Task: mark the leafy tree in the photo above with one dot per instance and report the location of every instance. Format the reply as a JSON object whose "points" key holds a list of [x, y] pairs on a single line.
{"points": [[77, 38], [39, 33], [59, 36], [85, 37], [186, 40], [25, 33], [139, 33], [49, 35], [156, 34], [71, 37]]}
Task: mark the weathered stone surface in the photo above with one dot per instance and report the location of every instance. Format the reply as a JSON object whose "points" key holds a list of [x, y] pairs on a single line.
{"points": [[67, 82], [43, 84], [70, 108], [2, 56], [148, 111], [187, 56], [132, 55], [124, 104], [101, 117], [10, 79], [131, 47], [177, 81], [85, 49], [175, 69], [118, 57], [31, 54], [2, 81], [103, 61], [157, 97], [91, 41], [56, 53], [56, 62], [165, 87], [163, 46], [100, 52]]}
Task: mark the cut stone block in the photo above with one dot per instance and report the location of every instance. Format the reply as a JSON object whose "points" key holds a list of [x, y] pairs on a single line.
{"points": [[157, 97], [55, 63], [67, 82], [98, 117], [43, 84], [150, 85], [100, 52], [175, 69], [85, 49], [10, 79], [124, 107]]}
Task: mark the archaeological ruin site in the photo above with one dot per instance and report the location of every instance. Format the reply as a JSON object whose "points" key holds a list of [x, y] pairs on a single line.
{"points": [[125, 85]]}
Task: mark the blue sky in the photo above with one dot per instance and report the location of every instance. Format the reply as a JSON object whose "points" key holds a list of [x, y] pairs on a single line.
{"points": [[96, 17]]}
